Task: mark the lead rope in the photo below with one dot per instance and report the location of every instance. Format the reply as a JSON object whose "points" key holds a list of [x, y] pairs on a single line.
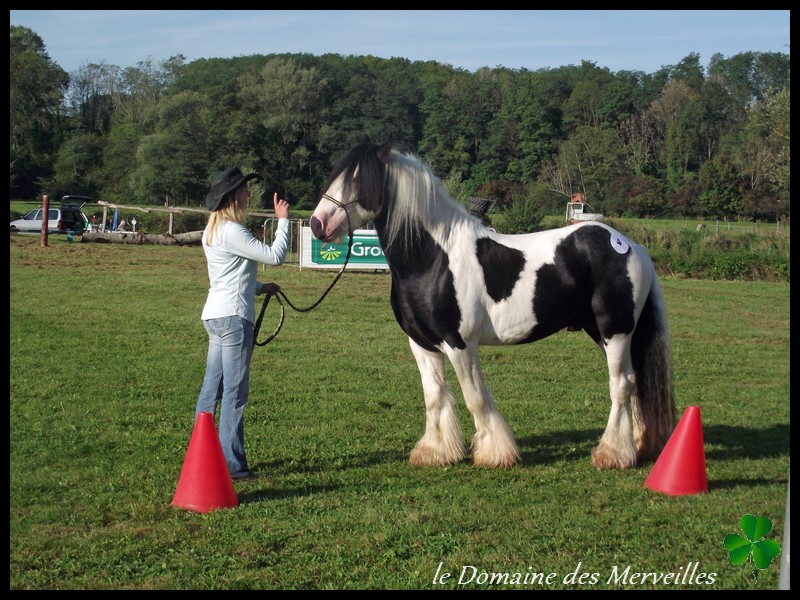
{"points": [[280, 294]]}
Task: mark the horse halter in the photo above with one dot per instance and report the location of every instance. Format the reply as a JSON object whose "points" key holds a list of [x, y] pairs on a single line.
{"points": [[342, 205], [339, 203]]}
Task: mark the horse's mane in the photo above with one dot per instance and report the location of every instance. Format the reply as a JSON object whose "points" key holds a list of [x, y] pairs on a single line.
{"points": [[412, 196]]}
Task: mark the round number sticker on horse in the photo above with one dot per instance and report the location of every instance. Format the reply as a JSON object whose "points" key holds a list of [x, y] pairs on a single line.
{"points": [[619, 244]]}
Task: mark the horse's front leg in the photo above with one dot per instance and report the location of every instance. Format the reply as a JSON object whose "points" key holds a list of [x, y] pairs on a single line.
{"points": [[442, 443], [493, 444]]}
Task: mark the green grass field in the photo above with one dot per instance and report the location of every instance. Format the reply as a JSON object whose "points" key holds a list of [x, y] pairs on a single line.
{"points": [[107, 355]]}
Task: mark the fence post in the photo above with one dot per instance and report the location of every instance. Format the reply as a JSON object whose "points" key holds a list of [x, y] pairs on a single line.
{"points": [[300, 243], [45, 219]]}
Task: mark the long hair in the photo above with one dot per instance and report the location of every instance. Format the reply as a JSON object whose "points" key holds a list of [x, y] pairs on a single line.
{"points": [[416, 194], [231, 209]]}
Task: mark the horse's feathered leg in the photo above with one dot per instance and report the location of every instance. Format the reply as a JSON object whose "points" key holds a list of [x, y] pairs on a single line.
{"points": [[442, 443], [493, 444], [616, 449]]}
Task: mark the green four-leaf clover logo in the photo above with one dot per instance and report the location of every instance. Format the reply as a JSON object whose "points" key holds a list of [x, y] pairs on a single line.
{"points": [[752, 544]]}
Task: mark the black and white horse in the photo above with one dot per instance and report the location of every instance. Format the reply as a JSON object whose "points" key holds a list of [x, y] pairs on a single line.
{"points": [[457, 285]]}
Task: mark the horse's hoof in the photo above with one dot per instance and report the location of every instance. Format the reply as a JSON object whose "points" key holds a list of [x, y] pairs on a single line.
{"points": [[495, 463], [425, 457], [604, 458], [489, 455]]}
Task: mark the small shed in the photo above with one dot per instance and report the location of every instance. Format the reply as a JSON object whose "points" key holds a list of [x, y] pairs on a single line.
{"points": [[576, 210]]}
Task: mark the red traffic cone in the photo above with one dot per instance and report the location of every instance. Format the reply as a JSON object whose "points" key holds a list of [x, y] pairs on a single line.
{"points": [[205, 483], [681, 468]]}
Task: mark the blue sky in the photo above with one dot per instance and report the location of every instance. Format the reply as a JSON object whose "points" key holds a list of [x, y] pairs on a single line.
{"points": [[638, 40]]}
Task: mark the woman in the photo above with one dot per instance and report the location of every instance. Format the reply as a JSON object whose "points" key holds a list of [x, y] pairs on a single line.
{"points": [[233, 254]]}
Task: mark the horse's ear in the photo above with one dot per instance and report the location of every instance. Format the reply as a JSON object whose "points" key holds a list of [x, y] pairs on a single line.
{"points": [[364, 139], [385, 150]]}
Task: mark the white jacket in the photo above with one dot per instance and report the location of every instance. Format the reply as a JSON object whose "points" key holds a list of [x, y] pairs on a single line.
{"points": [[233, 265]]}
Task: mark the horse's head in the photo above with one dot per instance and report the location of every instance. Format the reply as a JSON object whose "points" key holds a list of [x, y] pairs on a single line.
{"points": [[354, 192]]}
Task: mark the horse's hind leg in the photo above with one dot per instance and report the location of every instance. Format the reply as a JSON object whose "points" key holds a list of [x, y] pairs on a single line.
{"points": [[442, 443], [493, 444], [616, 449]]}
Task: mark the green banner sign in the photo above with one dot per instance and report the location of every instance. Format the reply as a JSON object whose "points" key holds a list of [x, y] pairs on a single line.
{"points": [[366, 253]]}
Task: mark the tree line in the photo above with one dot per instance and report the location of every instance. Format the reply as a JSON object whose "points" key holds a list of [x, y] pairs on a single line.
{"points": [[687, 140]]}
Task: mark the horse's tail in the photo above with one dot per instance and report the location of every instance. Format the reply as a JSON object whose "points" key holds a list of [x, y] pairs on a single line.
{"points": [[653, 401]]}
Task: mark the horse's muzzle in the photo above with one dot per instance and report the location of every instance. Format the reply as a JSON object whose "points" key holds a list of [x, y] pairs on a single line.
{"points": [[317, 229]]}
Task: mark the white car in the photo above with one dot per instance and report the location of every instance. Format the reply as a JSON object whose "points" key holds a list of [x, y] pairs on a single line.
{"points": [[66, 218]]}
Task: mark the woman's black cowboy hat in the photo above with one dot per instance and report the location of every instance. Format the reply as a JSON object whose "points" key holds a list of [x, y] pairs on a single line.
{"points": [[224, 184]]}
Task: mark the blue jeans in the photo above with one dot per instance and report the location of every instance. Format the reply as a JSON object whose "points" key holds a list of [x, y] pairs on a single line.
{"points": [[227, 380]]}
